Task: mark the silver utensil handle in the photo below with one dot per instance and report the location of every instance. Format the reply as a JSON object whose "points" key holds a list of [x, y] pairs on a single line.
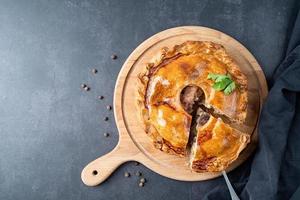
{"points": [[233, 195]]}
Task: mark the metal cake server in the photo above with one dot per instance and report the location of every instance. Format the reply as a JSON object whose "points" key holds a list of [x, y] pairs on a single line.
{"points": [[233, 195]]}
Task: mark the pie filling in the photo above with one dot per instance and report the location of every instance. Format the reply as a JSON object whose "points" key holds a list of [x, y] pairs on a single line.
{"points": [[192, 100], [191, 97]]}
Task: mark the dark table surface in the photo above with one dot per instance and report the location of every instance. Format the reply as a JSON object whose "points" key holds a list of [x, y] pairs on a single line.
{"points": [[50, 129]]}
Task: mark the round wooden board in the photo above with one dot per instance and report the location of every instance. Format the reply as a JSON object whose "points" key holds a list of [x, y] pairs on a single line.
{"points": [[134, 144]]}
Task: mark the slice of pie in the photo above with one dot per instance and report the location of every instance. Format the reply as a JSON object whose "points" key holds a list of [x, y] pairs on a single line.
{"points": [[216, 144], [173, 88]]}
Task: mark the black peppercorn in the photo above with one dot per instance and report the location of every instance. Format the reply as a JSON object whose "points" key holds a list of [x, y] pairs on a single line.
{"points": [[114, 56]]}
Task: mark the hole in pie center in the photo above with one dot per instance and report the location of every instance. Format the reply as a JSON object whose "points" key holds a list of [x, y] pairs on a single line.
{"points": [[190, 97]]}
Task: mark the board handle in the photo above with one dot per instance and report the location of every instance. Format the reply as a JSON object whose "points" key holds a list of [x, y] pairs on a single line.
{"points": [[100, 169]]}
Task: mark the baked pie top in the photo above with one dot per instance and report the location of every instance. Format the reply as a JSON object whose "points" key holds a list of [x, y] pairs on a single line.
{"points": [[176, 82]]}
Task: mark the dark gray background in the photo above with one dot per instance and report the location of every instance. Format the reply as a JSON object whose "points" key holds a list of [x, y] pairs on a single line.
{"points": [[50, 129]]}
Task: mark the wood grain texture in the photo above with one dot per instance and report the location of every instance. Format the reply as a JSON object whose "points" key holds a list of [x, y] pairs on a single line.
{"points": [[134, 144]]}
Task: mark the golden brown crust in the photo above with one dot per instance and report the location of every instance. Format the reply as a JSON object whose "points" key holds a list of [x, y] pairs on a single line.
{"points": [[168, 73], [159, 142], [215, 152]]}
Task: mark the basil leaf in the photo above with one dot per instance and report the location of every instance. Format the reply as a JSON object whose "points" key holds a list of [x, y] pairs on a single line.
{"points": [[229, 89], [222, 78], [222, 82], [212, 76], [221, 85], [217, 77]]}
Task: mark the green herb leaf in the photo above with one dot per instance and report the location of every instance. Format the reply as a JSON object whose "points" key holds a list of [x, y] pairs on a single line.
{"points": [[217, 77], [222, 82], [223, 78], [212, 76], [221, 85], [229, 89]]}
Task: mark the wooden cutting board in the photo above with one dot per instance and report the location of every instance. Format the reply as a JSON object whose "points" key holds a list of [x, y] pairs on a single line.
{"points": [[134, 144]]}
